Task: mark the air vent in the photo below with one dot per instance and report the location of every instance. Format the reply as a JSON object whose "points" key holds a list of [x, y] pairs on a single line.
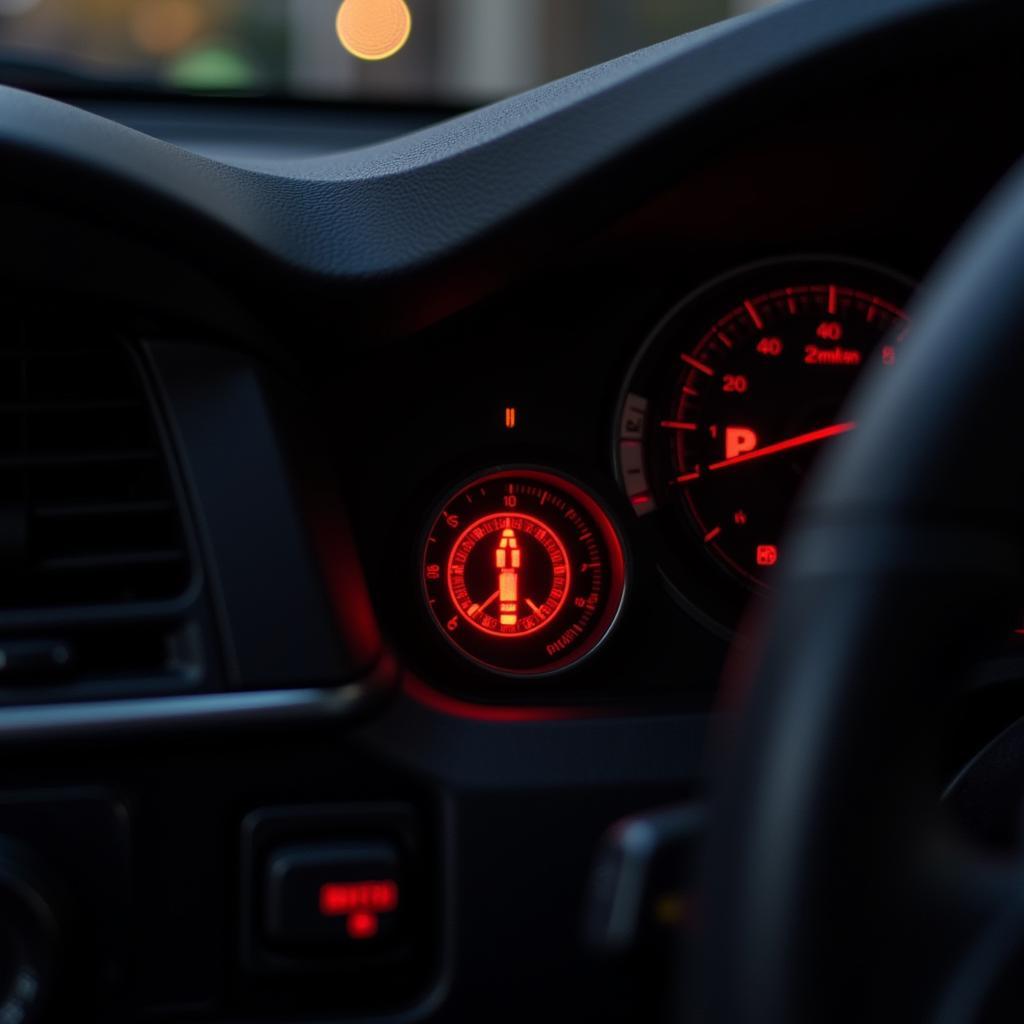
{"points": [[87, 510]]}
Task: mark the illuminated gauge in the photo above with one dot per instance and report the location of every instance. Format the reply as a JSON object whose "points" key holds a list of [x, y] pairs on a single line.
{"points": [[523, 572], [733, 397]]}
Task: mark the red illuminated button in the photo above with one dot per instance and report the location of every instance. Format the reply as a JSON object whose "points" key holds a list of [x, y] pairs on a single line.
{"points": [[338, 899], [333, 894]]}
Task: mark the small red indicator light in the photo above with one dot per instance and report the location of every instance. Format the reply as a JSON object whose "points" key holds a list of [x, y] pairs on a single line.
{"points": [[362, 925], [767, 554], [340, 898], [510, 417]]}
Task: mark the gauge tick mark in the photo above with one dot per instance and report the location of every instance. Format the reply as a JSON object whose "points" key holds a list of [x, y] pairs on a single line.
{"points": [[697, 364], [754, 315]]}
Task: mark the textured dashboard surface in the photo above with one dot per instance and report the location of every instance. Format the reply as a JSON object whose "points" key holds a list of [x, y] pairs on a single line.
{"points": [[388, 208], [244, 129]]}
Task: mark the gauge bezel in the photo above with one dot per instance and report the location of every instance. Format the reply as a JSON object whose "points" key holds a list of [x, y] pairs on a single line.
{"points": [[698, 580], [620, 569]]}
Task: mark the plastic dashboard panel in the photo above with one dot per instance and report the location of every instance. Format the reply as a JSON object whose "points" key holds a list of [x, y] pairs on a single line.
{"points": [[277, 626], [386, 210], [275, 635]]}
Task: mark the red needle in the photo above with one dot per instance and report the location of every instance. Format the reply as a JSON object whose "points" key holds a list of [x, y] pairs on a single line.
{"points": [[782, 446]]}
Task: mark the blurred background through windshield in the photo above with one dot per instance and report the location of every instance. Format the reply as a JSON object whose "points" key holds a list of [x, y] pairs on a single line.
{"points": [[458, 51]]}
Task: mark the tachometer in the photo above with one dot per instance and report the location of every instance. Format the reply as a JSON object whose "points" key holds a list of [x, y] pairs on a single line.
{"points": [[735, 393], [523, 571]]}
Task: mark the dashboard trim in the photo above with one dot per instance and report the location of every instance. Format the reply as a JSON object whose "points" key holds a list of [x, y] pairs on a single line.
{"points": [[164, 714]]}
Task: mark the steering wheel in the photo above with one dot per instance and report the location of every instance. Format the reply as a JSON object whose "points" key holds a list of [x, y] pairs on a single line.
{"points": [[834, 889]]}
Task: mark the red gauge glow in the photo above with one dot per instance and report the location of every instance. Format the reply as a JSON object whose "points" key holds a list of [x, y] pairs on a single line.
{"points": [[738, 391], [523, 560], [763, 388], [523, 572]]}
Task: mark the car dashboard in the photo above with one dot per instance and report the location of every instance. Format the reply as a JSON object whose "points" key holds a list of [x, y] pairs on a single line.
{"points": [[579, 370], [392, 516]]}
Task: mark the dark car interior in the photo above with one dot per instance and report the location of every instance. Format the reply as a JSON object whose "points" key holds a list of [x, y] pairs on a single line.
{"points": [[552, 561]]}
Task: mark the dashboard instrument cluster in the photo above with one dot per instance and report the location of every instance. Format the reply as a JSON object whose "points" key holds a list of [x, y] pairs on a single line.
{"points": [[525, 570]]}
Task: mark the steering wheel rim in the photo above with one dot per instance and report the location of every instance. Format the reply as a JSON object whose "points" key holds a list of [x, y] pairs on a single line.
{"points": [[832, 890]]}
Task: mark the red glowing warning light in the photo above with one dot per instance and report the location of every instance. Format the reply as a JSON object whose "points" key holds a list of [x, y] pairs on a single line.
{"points": [[508, 559], [362, 925], [532, 572], [340, 898], [767, 554], [739, 440], [508, 575], [360, 903]]}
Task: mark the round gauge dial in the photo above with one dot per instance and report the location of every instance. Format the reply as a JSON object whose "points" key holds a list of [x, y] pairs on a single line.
{"points": [[523, 571], [735, 395]]}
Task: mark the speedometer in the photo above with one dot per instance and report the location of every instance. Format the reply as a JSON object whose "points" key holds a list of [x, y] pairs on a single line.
{"points": [[732, 398]]}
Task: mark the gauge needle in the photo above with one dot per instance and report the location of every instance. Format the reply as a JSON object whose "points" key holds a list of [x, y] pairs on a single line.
{"points": [[474, 610], [782, 446]]}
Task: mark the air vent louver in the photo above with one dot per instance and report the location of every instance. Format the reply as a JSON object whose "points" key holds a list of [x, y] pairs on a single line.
{"points": [[87, 510]]}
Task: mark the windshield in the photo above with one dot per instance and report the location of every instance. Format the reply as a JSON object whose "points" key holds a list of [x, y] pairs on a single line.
{"points": [[413, 51]]}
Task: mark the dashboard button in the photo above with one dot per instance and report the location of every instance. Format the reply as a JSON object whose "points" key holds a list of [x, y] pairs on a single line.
{"points": [[333, 894]]}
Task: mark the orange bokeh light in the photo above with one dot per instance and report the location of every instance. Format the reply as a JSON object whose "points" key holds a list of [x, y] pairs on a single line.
{"points": [[373, 29], [165, 27]]}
